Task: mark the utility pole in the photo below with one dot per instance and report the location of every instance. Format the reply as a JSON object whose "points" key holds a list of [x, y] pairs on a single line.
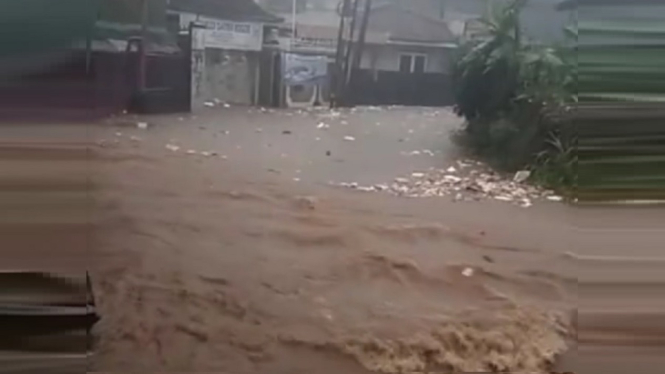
{"points": [[357, 56], [337, 75], [294, 23], [350, 44], [145, 8]]}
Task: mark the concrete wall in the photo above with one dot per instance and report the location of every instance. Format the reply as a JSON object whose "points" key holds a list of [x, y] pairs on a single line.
{"points": [[386, 58]]}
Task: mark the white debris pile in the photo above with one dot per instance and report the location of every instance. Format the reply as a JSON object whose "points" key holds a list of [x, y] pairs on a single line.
{"points": [[463, 185]]}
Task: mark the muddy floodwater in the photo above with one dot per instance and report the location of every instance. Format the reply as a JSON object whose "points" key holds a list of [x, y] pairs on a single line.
{"points": [[222, 244]]}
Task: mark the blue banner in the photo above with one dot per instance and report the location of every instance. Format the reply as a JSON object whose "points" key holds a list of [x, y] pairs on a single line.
{"points": [[304, 70]]}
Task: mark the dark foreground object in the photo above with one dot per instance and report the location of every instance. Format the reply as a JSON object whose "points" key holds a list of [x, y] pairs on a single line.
{"points": [[45, 322]]}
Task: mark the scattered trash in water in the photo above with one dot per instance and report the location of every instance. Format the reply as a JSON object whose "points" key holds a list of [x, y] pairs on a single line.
{"points": [[349, 138], [142, 125], [471, 185], [322, 125], [209, 104], [191, 152], [173, 148]]}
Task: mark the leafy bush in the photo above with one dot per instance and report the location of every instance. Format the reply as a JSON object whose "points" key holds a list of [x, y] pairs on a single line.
{"points": [[514, 95]]}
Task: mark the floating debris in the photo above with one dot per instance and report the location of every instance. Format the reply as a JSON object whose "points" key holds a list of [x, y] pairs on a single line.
{"points": [[172, 148], [472, 185], [467, 272], [349, 138], [142, 125], [209, 104]]}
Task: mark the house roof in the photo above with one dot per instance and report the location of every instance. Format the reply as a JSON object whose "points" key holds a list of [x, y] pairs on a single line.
{"points": [[404, 25], [234, 10]]}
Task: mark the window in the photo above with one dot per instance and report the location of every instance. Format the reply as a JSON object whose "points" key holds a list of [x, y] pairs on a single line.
{"points": [[419, 64], [405, 62], [412, 63]]}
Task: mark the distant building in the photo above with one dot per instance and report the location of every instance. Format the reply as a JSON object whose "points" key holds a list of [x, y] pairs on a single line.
{"points": [[403, 49], [228, 43]]}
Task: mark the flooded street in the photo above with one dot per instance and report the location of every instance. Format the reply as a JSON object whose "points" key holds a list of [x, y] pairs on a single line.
{"points": [[222, 244]]}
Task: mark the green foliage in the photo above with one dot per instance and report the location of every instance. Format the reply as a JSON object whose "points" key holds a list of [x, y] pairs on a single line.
{"points": [[514, 95]]}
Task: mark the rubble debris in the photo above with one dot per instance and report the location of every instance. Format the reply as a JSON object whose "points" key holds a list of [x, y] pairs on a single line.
{"points": [[470, 185], [521, 176]]}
